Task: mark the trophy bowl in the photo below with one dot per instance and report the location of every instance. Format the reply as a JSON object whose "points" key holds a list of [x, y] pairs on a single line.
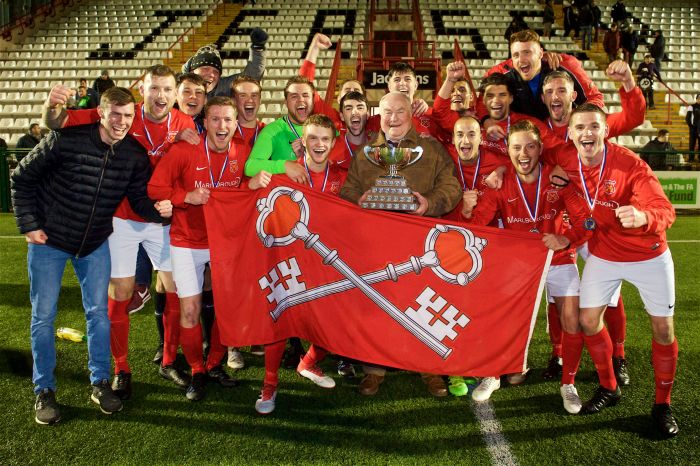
{"points": [[391, 191], [393, 158]]}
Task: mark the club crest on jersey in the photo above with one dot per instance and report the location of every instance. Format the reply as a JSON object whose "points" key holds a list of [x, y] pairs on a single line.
{"points": [[233, 166], [335, 187], [171, 136], [552, 195], [425, 122], [609, 187]]}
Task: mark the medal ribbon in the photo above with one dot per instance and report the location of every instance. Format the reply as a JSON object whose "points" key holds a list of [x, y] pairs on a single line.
{"points": [[154, 150], [476, 172], [325, 178], [586, 195], [347, 144], [549, 123], [537, 199], [223, 167], [240, 131]]}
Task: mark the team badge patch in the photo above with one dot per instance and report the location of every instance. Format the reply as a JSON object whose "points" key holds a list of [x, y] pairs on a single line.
{"points": [[609, 187], [171, 136], [335, 187], [552, 196], [233, 166]]}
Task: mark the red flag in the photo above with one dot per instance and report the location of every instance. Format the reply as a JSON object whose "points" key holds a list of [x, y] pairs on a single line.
{"points": [[385, 288]]}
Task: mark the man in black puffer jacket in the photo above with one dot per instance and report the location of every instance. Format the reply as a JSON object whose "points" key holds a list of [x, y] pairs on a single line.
{"points": [[64, 195]]}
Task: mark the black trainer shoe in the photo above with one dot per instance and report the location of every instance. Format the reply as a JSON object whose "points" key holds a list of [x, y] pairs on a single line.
{"points": [[121, 385], [195, 391], [46, 410], [664, 420], [602, 398], [158, 357], [292, 356], [620, 368], [174, 375], [218, 374], [346, 369], [103, 395], [553, 369]]}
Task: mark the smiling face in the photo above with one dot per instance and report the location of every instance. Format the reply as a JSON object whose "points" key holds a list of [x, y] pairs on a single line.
{"points": [[159, 95], [404, 82], [246, 95], [318, 142], [524, 149], [349, 86], [460, 98], [300, 102], [588, 131], [191, 98], [559, 95], [466, 138], [395, 116], [354, 115], [497, 99], [115, 121], [527, 58], [210, 75], [220, 124]]}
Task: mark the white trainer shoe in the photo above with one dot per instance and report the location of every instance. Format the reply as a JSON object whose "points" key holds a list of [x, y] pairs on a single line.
{"points": [[572, 402], [518, 377], [265, 404], [487, 386], [316, 375], [235, 359]]}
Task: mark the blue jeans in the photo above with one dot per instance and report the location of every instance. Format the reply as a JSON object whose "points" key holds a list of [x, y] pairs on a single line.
{"points": [[586, 36], [46, 265]]}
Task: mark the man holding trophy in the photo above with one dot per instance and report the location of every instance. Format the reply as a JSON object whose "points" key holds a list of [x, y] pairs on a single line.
{"points": [[401, 170]]}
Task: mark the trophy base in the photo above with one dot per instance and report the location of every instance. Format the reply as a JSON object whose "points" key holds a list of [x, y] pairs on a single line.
{"points": [[391, 193]]}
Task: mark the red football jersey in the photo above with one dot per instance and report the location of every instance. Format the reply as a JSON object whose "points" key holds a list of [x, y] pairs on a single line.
{"points": [[329, 181], [524, 210], [244, 140], [474, 177], [185, 169], [626, 180], [344, 151]]}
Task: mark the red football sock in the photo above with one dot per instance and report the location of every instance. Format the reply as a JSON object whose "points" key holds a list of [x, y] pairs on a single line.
{"points": [[171, 323], [555, 331], [216, 349], [273, 359], [313, 356], [573, 348], [191, 342], [600, 348], [119, 333], [616, 319], [664, 359]]}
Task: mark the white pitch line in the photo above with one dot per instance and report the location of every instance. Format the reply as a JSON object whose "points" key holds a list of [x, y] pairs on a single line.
{"points": [[496, 443]]}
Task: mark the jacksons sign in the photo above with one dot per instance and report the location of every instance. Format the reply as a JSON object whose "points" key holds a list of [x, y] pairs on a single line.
{"points": [[376, 79]]}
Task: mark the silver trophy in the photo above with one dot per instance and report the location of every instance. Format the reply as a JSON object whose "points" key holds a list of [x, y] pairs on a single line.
{"points": [[391, 191]]}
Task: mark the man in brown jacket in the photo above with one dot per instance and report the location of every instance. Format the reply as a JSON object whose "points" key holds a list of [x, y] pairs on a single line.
{"points": [[432, 179]]}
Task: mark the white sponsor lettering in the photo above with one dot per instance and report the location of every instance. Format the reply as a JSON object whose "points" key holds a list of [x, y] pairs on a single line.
{"points": [[228, 184], [545, 216]]}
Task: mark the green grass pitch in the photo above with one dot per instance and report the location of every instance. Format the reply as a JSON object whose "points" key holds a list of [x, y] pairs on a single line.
{"points": [[401, 425]]}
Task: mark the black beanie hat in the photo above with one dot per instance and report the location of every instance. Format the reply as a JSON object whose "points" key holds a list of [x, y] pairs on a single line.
{"points": [[205, 56]]}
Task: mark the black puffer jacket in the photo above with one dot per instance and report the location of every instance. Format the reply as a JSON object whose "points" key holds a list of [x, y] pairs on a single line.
{"points": [[71, 184]]}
